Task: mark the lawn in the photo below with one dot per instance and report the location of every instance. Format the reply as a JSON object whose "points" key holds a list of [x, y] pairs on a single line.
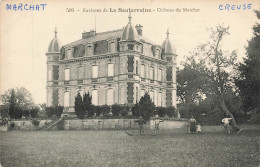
{"points": [[116, 148]]}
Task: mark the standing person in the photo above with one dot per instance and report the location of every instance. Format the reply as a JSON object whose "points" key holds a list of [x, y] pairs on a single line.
{"points": [[156, 124], [141, 124], [226, 124], [192, 123]]}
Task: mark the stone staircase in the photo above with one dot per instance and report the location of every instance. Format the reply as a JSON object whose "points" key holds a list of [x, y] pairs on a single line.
{"points": [[53, 125]]}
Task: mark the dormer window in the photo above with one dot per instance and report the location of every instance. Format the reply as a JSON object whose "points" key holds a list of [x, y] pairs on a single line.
{"points": [[112, 47], [69, 54]]}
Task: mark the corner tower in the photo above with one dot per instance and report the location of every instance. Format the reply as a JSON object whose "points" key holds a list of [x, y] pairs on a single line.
{"points": [[53, 55], [169, 54]]}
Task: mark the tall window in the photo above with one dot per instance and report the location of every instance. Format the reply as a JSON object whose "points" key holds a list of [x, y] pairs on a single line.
{"points": [[155, 98], [66, 99], [159, 99], [136, 93], [81, 72], [151, 95], [136, 66], [159, 74], [95, 97], [81, 92], [142, 70], [95, 71], [151, 73], [110, 96], [110, 70], [141, 93], [49, 74], [67, 74]]}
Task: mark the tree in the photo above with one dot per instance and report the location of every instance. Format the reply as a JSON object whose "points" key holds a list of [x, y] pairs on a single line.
{"points": [[12, 105], [87, 102], [79, 108], [248, 80], [23, 98], [145, 107], [219, 67]]}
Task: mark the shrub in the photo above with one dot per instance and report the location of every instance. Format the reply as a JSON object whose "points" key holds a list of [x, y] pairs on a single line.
{"points": [[49, 112], [26, 113], [58, 111], [35, 122], [92, 110], [124, 110], [171, 112], [116, 109], [105, 109], [161, 111], [34, 112], [54, 110]]}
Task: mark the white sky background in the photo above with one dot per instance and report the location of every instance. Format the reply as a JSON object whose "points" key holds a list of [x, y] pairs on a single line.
{"points": [[25, 35]]}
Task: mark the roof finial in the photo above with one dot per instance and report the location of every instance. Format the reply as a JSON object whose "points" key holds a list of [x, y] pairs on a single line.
{"points": [[55, 31], [130, 17], [167, 33]]}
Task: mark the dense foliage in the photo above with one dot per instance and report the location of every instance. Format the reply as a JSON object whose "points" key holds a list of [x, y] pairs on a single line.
{"points": [[248, 80]]}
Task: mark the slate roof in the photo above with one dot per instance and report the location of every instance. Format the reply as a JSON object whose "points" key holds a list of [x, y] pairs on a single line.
{"points": [[104, 36]]}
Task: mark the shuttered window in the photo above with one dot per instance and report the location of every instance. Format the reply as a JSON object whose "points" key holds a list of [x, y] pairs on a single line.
{"points": [[95, 97], [95, 71], [67, 74], [110, 70], [66, 99]]}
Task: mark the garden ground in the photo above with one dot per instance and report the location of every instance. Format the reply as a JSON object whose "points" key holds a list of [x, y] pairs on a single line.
{"points": [[116, 148]]}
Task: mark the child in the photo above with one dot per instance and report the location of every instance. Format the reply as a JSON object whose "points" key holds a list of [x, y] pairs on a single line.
{"points": [[198, 128], [157, 123], [226, 124]]}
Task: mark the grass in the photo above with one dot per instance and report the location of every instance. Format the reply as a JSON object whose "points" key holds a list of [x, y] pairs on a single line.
{"points": [[116, 148]]}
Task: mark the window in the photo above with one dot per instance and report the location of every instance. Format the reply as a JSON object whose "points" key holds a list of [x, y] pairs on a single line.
{"points": [[159, 99], [69, 54], [81, 92], [136, 67], [151, 73], [155, 98], [159, 74], [130, 64], [110, 97], [142, 71], [151, 93], [67, 74], [89, 50], [110, 70], [141, 93], [174, 75], [81, 72], [49, 74], [136, 92], [130, 46], [95, 71], [112, 47], [95, 97], [66, 99]]}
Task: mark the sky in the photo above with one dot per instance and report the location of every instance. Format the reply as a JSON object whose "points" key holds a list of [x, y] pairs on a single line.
{"points": [[25, 35]]}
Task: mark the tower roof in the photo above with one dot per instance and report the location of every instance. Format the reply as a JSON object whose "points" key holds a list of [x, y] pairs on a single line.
{"points": [[167, 46], [129, 32], [55, 44]]}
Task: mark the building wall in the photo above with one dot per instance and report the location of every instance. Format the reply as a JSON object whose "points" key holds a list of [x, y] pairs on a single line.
{"points": [[118, 82]]}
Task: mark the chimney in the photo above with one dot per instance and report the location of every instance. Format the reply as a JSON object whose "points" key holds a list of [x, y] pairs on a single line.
{"points": [[88, 34], [139, 29]]}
